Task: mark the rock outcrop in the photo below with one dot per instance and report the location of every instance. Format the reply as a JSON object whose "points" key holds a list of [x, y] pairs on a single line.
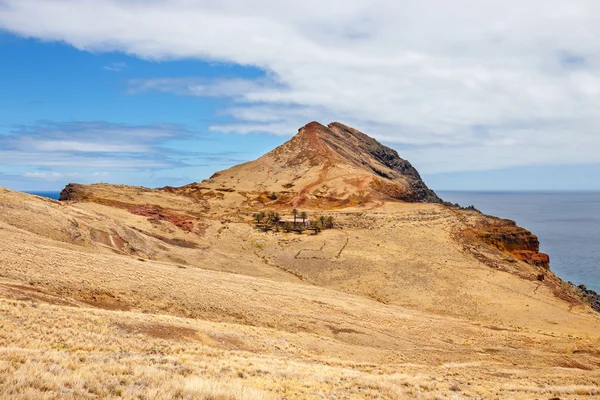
{"points": [[506, 236], [590, 297], [72, 192]]}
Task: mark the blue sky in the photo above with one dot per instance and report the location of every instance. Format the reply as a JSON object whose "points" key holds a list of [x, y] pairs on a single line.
{"points": [[53, 93], [168, 92]]}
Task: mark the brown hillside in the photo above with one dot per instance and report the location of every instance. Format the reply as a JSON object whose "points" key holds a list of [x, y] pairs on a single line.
{"points": [[122, 291], [322, 166]]}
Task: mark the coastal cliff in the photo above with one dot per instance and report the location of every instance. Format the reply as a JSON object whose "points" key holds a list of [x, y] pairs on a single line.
{"points": [[509, 238]]}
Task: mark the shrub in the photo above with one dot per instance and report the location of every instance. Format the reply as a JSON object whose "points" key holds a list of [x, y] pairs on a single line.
{"points": [[317, 226], [329, 222]]}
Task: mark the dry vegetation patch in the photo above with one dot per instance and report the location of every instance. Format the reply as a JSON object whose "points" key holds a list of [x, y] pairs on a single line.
{"points": [[159, 331]]}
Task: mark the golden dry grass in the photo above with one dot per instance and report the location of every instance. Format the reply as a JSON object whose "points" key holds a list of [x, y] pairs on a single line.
{"points": [[401, 312], [49, 351]]}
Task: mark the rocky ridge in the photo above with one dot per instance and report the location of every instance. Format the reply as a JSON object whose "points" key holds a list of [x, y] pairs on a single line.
{"points": [[321, 166]]}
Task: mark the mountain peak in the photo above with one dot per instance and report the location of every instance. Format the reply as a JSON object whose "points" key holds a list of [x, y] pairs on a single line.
{"points": [[314, 125], [326, 166]]}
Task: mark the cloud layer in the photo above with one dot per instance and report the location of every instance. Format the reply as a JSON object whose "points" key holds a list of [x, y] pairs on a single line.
{"points": [[57, 153], [90, 145], [461, 85]]}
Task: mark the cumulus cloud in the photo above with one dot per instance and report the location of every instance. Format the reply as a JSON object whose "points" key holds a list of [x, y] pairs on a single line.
{"points": [[458, 85]]}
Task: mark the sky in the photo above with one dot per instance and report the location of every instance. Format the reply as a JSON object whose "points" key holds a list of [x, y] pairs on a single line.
{"points": [[494, 95]]}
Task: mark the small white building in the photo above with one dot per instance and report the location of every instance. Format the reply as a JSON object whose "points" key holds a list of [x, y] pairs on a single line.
{"points": [[298, 221]]}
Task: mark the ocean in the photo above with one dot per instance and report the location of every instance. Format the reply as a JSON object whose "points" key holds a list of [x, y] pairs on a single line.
{"points": [[50, 195], [566, 223]]}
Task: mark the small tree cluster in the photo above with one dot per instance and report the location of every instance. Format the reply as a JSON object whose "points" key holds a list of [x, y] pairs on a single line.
{"points": [[326, 221], [272, 220], [266, 220]]}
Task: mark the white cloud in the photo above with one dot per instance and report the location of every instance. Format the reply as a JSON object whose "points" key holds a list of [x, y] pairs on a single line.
{"points": [[456, 85], [59, 176], [232, 88], [116, 67], [87, 146]]}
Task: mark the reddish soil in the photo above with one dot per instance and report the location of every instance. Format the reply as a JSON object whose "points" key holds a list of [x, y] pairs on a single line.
{"points": [[158, 214]]}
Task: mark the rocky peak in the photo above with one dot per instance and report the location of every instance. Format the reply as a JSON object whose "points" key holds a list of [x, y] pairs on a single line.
{"points": [[344, 144], [327, 166]]}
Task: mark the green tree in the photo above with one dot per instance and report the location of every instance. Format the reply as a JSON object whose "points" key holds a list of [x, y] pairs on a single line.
{"points": [[317, 226], [329, 222], [322, 219], [258, 217], [287, 227], [268, 219], [300, 228], [304, 216], [295, 212]]}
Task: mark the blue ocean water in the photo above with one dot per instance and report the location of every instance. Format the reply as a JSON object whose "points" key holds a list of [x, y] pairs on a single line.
{"points": [[50, 195], [566, 223]]}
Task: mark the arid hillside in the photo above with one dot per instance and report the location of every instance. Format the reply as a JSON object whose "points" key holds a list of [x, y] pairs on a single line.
{"points": [[321, 167], [121, 291]]}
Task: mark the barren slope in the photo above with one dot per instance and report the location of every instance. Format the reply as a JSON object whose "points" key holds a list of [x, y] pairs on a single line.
{"points": [[392, 303]]}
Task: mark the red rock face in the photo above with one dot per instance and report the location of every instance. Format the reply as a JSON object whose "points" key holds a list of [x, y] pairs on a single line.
{"points": [[509, 238], [538, 259], [187, 223]]}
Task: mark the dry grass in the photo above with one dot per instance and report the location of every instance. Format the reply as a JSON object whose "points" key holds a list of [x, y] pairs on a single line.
{"points": [[214, 390], [49, 351], [81, 319]]}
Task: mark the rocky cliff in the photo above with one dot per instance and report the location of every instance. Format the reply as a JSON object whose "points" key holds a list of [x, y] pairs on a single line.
{"points": [[507, 237]]}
